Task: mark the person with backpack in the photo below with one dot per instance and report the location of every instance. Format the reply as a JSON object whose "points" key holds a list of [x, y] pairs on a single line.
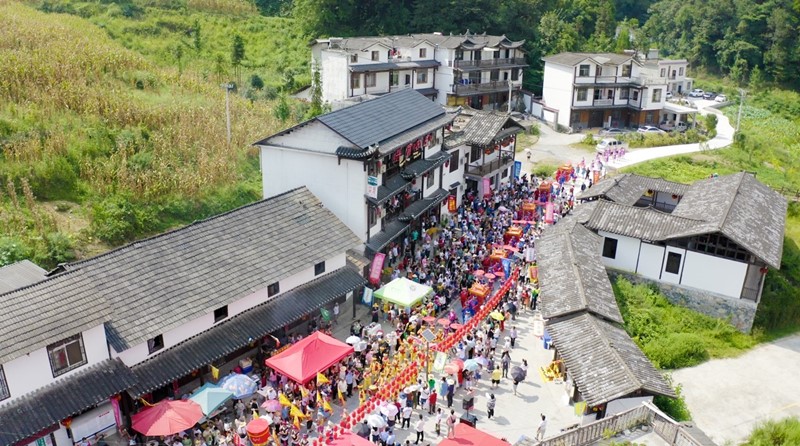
{"points": [[451, 424]]}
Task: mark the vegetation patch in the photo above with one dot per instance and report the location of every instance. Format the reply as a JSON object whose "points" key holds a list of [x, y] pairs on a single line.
{"points": [[785, 432]]}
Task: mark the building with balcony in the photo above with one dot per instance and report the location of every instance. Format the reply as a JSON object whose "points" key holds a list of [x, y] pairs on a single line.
{"points": [[488, 141], [613, 90], [478, 70], [379, 166]]}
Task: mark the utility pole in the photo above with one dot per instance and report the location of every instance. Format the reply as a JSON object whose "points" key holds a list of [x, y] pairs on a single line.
{"points": [[741, 103], [228, 87]]}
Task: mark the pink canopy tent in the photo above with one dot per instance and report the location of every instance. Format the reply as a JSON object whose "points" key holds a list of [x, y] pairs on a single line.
{"points": [[469, 436], [302, 361], [350, 439]]}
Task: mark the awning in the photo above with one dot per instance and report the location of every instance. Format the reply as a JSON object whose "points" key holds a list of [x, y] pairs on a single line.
{"points": [[676, 108], [389, 233], [417, 208], [389, 145], [403, 292], [241, 329], [469, 436], [45, 407], [398, 65], [428, 91], [313, 354], [422, 166]]}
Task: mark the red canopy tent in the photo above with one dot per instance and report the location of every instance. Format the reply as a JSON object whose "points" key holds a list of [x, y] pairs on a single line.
{"points": [[350, 439], [469, 436], [302, 361]]}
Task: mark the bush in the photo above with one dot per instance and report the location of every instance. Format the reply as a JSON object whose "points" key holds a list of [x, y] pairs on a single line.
{"points": [[256, 82], [534, 129], [676, 350], [588, 140], [117, 219], [676, 408], [543, 170], [54, 178], [12, 250], [785, 432], [59, 249]]}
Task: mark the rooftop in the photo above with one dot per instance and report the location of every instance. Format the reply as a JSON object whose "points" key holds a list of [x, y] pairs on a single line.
{"points": [[20, 274], [571, 59], [483, 128], [628, 188], [466, 40]]}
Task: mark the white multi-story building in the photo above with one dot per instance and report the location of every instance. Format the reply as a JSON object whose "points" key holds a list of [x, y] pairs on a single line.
{"points": [[467, 69], [614, 90]]}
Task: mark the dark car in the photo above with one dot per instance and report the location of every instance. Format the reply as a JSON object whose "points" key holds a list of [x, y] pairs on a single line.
{"points": [[709, 95]]}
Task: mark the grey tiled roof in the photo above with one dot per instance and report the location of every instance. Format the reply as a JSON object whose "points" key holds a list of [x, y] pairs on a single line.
{"points": [[646, 224], [393, 185], [158, 284], [238, 331], [629, 188], [66, 397], [417, 208], [48, 311], [483, 128], [379, 119], [20, 274], [571, 277], [743, 209], [412, 40], [390, 231], [571, 59], [422, 166], [603, 360]]}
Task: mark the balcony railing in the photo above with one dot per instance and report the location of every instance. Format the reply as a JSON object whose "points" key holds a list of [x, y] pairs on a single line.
{"points": [[485, 87], [488, 63], [618, 80], [492, 166]]}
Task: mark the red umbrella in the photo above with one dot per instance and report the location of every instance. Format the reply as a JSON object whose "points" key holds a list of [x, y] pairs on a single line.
{"points": [[444, 322], [455, 326], [451, 369], [167, 418], [458, 363], [428, 319]]}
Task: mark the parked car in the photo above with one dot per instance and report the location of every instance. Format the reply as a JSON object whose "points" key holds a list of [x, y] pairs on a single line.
{"points": [[609, 143], [649, 129], [709, 95], [696, 93], [669, 95], [671, 126], [721, 98], [612, 131]]}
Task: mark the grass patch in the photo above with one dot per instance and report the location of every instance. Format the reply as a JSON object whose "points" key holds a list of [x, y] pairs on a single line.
{"points": [[544, 170], [673, 336], [785, 432]]}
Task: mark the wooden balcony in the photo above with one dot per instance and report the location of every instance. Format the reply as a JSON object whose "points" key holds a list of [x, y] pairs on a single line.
{"points": [[484, 87], [489, 63], [482, 170]]}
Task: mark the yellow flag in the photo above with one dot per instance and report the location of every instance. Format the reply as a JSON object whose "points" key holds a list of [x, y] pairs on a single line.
{"points": [[214, 372], [283, 400], [321, 379], [327, 406], [295, 412], [341, 397], [319, 399], [303, 391], [296, 423]]}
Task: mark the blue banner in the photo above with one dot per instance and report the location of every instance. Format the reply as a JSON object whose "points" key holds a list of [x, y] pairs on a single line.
{"points": [[517, 169], [507, 267]]}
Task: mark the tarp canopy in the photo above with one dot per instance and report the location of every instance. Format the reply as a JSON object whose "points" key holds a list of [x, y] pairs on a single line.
{"points": [[302, 361], [210, 397], [469, 436], [403, 292], [351, 439]]}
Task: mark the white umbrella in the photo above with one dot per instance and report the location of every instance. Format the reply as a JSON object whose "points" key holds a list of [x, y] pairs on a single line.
{"points": [[390, 410], [352, 340], [360, 347], [376, 421]]}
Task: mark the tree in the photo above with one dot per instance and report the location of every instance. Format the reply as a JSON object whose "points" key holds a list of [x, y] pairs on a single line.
{"points": [[739, 72], [282, 110], [177, 53], [316, 94], [556, 35], [196, 36], [220, 69], [256, 82], [756, 79], [237, 55]]}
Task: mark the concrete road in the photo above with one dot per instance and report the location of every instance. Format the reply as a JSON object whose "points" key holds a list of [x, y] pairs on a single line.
{"points": [[729, 397]]}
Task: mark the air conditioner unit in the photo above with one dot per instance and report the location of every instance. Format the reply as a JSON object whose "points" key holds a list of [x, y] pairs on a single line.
{"points": [[383, 168]]}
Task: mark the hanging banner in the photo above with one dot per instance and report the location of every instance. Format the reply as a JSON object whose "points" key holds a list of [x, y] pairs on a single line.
{"points": [[517, 169], [506, 267], [451, 204], [533, 272], [117, 414], [366, 298], [377, 268], [548, 213], [439, 362], [487, 186], [372, 187]]}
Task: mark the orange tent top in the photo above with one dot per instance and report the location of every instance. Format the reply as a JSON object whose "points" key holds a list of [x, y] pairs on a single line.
{"points": [[469, 436], [302, 361]]}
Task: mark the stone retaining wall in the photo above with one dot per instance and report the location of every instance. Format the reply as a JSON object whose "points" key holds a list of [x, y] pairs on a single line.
{"points": [[739, 312]]}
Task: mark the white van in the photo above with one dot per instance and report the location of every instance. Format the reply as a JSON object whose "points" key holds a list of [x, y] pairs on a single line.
{"points": [[609, 143]]}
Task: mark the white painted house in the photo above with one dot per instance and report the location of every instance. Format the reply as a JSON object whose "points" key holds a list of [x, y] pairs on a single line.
{"points": [[613, 90], [393, 142], [466, 69]]}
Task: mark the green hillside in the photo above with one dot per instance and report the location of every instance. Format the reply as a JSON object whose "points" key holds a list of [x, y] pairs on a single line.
{"points": [[103, 140]]}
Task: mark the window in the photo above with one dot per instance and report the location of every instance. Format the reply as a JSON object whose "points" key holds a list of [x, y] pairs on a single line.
{"points": [[394, 79], [680, 71], [66, 355], [422, 77], [515, 72], [610, 248], [319, 268], [583, 70], [155, 344], [375, 55], [648, 118], [597, 93], [423, 53], [610, 94], [494, 75], [623, 93], [407, 79], [4, 393], [459, 54], [372, 216], [582, 94], [626, 71], [370, 79], [220, 313], [355, 80], [454, 161], [429, 179], [505, 75], [505, 172], [273, 289], [663, 72], [673, 263], [474, 153], [598, 71], [353, 58], [635, 95], [657, 95]]}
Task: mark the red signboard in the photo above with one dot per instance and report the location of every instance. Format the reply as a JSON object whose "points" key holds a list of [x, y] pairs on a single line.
{"points": [[548, 213], [451, 204], [376, 268]]}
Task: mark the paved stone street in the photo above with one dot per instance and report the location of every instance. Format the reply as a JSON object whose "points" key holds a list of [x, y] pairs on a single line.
{"points": [[729, 397]]}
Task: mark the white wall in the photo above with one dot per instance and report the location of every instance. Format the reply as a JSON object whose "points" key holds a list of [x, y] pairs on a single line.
{"points": [[714, 274], [650, 259], [314, 136], [627, 252], [32, 371], [670, 277], [335, 75], [557, 90]]}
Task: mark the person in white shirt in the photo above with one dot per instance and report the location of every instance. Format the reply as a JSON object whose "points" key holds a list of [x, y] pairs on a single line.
{"points": [[420, 428], [541, 428], [406, 417]]}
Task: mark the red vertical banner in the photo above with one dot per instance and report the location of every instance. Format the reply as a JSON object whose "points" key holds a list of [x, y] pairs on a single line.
{"points": [[376, 268], [487, 186], [548, 213], [596, 177], [114, 400], [451, 204]]}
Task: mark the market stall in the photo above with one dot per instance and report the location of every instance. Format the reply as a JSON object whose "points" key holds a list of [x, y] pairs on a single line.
{"points": [[403, 292], [210, 397], [313, 354]]}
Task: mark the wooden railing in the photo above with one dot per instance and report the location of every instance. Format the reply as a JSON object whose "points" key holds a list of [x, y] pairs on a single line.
{"points": [[489, 63]]}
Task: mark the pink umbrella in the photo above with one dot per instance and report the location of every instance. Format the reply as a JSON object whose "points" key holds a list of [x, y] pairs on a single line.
{"points": [[428, 319], [500, 274], [444, 322], [479, 272], [272, 405], [455, 326], [490, 276], [167, 418]]}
